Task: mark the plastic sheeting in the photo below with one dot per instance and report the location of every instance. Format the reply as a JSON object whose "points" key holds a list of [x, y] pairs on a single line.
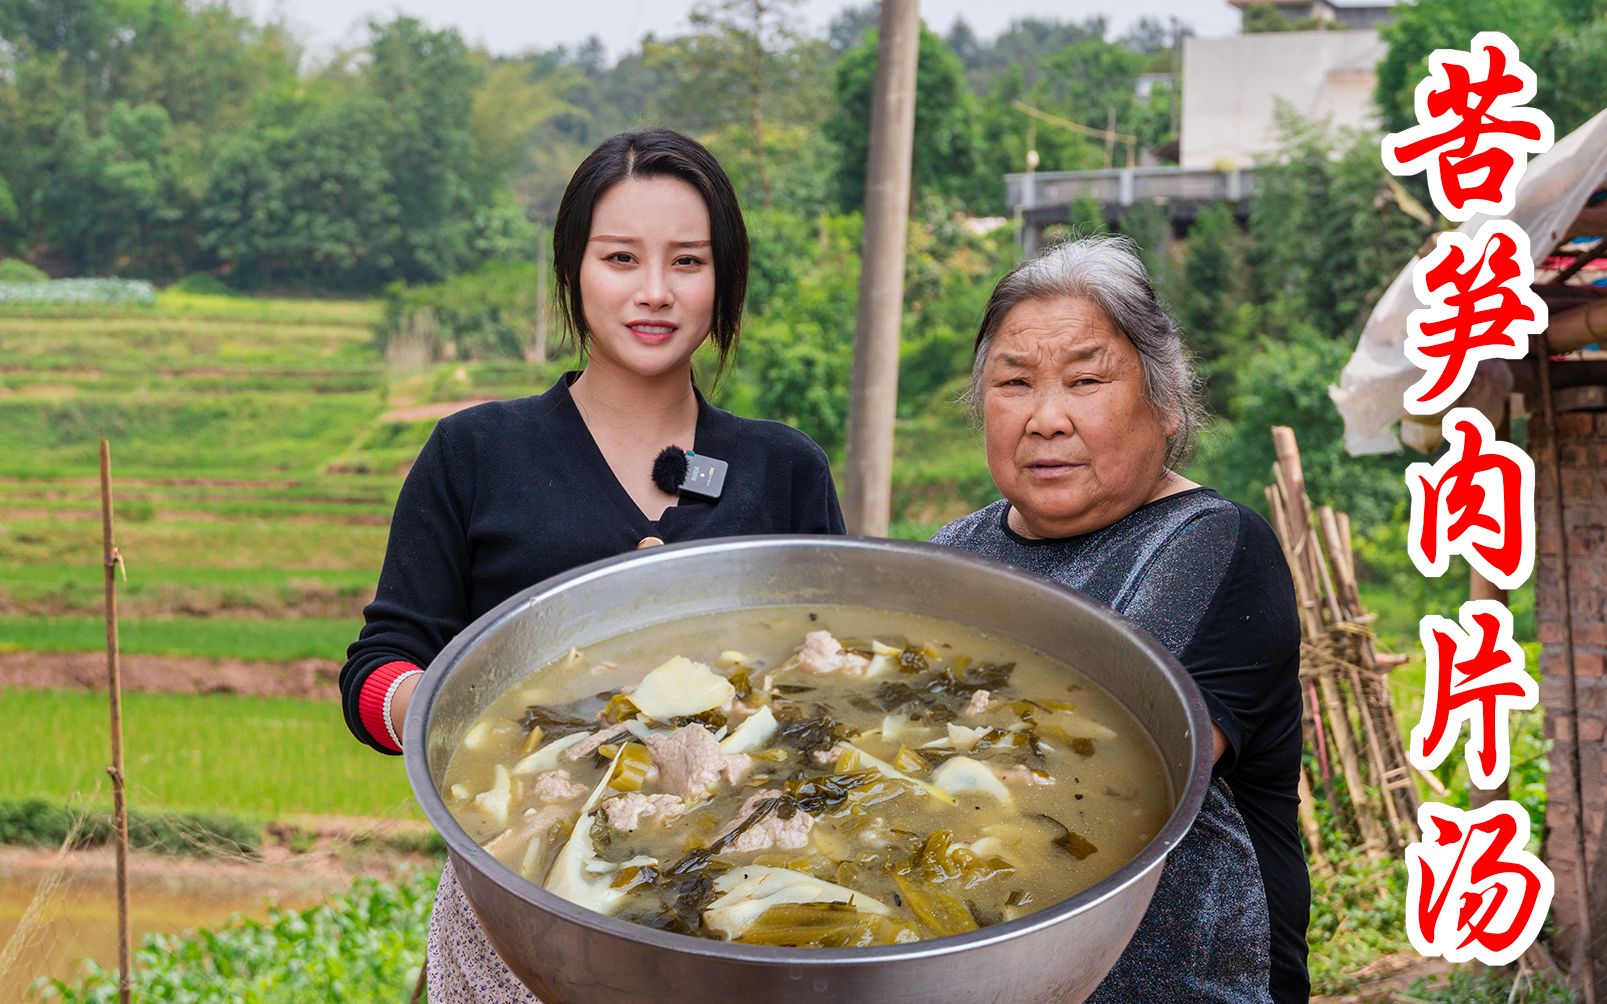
{"points": [[1371, 387]]}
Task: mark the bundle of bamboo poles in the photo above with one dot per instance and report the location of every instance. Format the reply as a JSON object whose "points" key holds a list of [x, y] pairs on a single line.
{"points": [[1361, 771]]}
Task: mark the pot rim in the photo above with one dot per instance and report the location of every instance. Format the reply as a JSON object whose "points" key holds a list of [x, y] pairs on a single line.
{"points": [[462, 847]]}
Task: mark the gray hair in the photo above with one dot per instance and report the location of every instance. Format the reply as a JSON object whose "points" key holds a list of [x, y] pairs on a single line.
{"points": [[1108, 271]]}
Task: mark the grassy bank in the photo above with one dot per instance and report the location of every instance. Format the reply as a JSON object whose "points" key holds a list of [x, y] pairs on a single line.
{"points": [[262, 758], [210, 638]]}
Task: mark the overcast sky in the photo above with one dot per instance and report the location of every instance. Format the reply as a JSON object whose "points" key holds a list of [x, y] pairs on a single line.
{"points": [[512, 26]]}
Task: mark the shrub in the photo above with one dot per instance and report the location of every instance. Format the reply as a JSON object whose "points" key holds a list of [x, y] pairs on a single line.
{"points": [[365, 945], [485, 314], [203, 284], [41, 823], [33, 822], [17, 270]]}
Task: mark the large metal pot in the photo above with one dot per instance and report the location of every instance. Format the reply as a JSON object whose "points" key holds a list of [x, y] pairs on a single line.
{"points": [[570, 955]]}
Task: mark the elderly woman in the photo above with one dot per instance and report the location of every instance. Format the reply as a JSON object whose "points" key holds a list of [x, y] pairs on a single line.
{"points": [[1088, 402]]}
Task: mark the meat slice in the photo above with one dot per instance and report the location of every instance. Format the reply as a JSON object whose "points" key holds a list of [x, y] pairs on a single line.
{"points": [[555, 786], [1021, 774], [689, 761], [531, 829], [822, 653], [977, 704], [629, 811], [587, 746], [772, 831]]}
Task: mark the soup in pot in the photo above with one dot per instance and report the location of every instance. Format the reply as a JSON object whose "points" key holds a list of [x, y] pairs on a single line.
{"points": [[809, 777]]}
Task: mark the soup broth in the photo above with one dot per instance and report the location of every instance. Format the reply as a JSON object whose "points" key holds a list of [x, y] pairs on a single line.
{"points": [[814, 777]]}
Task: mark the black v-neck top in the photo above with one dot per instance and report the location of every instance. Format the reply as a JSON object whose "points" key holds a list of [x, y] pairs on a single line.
{"points": [[506, 494]]}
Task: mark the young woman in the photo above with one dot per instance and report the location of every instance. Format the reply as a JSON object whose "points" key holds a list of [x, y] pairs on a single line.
{"points": [[651, 257]]}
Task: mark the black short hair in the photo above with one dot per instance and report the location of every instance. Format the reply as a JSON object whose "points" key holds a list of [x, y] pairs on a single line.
{"points": [[649, 153]]}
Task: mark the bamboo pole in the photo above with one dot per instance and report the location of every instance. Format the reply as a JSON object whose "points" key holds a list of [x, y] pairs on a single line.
{"points": [[1344, 589], [1349, 763], [1308, 822], [1319, 735], [113, 561], [1294, 489], [1299, 548]]}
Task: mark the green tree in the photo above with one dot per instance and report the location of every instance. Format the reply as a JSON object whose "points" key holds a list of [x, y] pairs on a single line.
{"points": [[511, 108], [1210, 291], [1150, 227], [309, 203], [945, 154], [425, 82], [1328, 199], [1087, 81], [747, 75], [35, 99], [1260, 18], [112, 202], [1023, 46], [202, 63], [1563, 41], [848, 26], [1284, 381]]}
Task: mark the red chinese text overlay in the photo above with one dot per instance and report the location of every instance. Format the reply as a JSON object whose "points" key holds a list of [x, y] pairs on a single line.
{"points": [[1472, 891], [1472, 137], [1476, 501], [1475, 675], [1479, 304]]}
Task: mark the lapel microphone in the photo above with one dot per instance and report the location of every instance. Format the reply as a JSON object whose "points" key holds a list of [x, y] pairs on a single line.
{"points": [[682, 472]]}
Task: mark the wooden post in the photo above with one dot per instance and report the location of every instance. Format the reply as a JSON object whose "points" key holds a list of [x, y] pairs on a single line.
{"points": [[868, 497], [114, 563], [538, 348]]}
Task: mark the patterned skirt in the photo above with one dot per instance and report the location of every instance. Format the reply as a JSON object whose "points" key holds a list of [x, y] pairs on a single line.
{"points": [[462, 966]]}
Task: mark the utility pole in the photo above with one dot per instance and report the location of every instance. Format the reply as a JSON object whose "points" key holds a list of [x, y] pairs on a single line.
{"points": [[1177, 45], [874, 403]]}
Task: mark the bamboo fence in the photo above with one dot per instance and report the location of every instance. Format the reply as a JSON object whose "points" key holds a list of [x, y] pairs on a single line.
{"points": [[1358, 763]]}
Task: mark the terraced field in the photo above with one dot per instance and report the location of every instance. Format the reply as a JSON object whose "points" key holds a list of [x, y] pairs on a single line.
{"points": [[257, 447]]}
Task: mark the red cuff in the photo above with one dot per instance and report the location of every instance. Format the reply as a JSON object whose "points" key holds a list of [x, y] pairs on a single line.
{"points": [[371, 701]]}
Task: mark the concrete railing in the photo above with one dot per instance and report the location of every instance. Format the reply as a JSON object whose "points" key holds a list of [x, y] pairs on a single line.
{"points": [[1123, 186]]}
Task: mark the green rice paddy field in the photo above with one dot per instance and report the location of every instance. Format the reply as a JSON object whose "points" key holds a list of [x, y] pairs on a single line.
{"points": [[257, 757]]}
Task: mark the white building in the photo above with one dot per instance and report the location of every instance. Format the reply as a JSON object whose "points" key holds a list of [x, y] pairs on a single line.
{"points": [[1231, 87]]}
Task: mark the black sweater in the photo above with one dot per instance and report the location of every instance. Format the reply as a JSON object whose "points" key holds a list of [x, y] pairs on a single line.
{"points": [[506, 494]]}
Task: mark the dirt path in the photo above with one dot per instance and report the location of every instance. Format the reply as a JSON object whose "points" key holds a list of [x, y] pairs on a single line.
{"points": [[437, 410], [309, 678], [13, 514], [331, 864]]}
